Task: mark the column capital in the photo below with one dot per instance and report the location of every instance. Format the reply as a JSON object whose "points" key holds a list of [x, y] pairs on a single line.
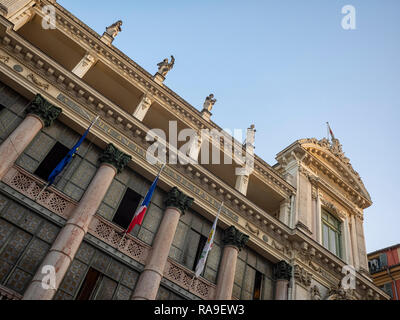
{"points": [[282, 271], [115, 157], [178, 199], [44, 110], [234, 237]]}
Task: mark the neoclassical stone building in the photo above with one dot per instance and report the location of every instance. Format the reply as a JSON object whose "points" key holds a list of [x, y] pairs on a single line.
{"points": [[285, 231]]}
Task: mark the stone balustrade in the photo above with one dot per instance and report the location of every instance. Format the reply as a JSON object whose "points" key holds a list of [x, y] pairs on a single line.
{"points": [[31, 186], [8, 294]]}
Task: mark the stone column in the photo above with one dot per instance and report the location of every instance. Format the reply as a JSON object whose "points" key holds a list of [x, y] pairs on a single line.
{"points": [[234, 241], [142, 108], [149, 280], [354, 243], [41, 113], [347, 241], [84, 65], [319, 217], [282, 275], [68, 241]]}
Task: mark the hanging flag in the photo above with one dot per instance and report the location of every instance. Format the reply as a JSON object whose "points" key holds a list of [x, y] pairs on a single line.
{"points": [[63, 163], [139, 215], [330, 130], [207, 246]]}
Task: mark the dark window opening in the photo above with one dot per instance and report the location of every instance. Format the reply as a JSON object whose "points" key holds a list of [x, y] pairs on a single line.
{"points": [[127, 208], [1, 107], [53, 158], [200, 247], [257, 286], [88, 285]]}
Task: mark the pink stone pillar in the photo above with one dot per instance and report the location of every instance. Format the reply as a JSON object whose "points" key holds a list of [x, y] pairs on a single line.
{"points": [[233, 240], [149, 280], [71, 235], [283, 273], [40, 113]]}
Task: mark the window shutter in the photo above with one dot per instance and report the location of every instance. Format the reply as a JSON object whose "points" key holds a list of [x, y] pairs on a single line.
{"points": [[383, 260]]}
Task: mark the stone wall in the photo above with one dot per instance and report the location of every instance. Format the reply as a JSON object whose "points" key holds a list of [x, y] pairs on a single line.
{"points": [[116, 282], [25, 238], [247, 264]]}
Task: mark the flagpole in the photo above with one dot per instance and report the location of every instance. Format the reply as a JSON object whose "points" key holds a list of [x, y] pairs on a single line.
{"points": [[48, 183], [41, 191], [210, 242], [123, 237]]}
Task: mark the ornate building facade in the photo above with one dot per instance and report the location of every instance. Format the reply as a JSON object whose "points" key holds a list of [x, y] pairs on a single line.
{"points": [[285, 231]]}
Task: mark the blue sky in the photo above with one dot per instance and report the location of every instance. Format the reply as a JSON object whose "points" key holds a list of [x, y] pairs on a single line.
{"points": [[288, 67]]}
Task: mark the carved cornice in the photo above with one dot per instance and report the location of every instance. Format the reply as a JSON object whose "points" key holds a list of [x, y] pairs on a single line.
{"points": [[177, 199], [282, 271], [113, 156], [233, 237], [144, 80], [44, 109]]}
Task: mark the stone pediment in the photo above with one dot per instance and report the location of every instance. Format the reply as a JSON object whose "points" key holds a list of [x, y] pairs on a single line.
{"points": [[332, 156]]}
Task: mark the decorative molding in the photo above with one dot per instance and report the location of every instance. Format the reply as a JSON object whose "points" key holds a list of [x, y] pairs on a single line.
{"points": [[36, 81], [115, 157], [177, 199], [4, 59], [251, 229], [302, 276], [233, 237], [314, 293], [44, 109]]}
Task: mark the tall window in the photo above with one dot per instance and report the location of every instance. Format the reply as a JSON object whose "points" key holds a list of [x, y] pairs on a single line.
{"points": [[257, 286], [53, 158], [127, 208], [331, 235]]}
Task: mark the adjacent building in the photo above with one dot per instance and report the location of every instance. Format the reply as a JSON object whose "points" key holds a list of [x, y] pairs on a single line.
{"points": [[384, 266], [286, 231]]}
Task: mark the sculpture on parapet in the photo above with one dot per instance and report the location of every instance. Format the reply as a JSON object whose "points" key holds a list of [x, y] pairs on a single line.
{"points": [[209, 103], [114, 29], [165, 66]]}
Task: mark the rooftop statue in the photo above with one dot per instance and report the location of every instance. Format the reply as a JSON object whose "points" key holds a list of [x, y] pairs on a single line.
{"points": [[209, 103], [114, 29], [164, 66]]}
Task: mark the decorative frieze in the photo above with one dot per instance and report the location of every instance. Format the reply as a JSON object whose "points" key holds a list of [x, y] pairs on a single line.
{"points": [[233, 237], [302, 276], [115, 157], [282, 271], [177, 199], [44, 109]]}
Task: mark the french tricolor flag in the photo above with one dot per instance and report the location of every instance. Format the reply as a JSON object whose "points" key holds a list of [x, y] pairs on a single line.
{"points": [[139, 215]]}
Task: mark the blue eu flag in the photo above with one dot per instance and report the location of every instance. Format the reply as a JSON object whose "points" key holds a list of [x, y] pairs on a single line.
{"points": [[63, 163]]}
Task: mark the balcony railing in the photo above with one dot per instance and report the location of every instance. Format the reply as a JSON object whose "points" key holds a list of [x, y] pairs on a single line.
{"points": [[139, 251], [8, 294], [31, 186]]}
